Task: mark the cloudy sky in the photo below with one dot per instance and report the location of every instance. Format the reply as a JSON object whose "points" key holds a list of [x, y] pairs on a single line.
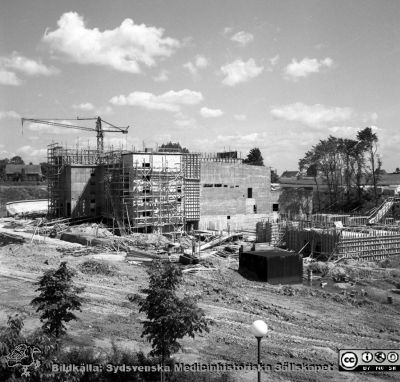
{"points": [[213, 75]]}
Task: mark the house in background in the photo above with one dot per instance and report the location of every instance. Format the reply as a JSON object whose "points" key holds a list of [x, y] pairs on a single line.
{"points": [[23, 173], [290, 174], [294, 191], [389, 184]]}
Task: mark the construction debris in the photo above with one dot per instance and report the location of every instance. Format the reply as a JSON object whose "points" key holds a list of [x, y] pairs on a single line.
{"points": [[7, 239], [198, 268]]}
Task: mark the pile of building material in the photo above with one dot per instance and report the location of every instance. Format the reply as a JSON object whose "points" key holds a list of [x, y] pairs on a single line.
{"points": [[8, 238]]}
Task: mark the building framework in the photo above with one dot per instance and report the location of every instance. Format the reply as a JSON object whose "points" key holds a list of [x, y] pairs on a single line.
{"points": [[137, 191]]}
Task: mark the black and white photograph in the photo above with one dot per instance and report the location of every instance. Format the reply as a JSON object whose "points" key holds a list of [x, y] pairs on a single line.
{"points": [[199, 190]]}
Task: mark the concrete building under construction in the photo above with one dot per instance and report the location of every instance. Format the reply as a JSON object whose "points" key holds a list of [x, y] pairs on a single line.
{"points": [[156, 191]]}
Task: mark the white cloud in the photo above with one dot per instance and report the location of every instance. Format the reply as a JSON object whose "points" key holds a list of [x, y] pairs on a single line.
{"points": [[240, 117], [9, 114], [370, 117], [104, 110], [240, 142], [123, 48], [31, 152], [86, 106], [227, 30], [161, 77], [182, 120], [200, 62], [185, 122], [211, 113], [89, 107], [374, 116], [252, 137], [9, 78], [27, 66], [305, 67], [312, 115], [49, 129], [240, 71], [169, 101], [274, 60], [343, 130], [242, 38], [190, 67]]}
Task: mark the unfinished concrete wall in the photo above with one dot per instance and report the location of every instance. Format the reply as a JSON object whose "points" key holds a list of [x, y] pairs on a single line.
{"points": [[233, 191], [83, 191], [234, 223]]}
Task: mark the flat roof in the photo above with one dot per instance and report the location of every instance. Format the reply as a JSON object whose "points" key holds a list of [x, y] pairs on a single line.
{"points": [[270, 252]]}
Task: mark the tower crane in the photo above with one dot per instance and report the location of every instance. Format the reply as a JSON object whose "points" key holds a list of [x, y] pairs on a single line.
{"points": [[98, 128]]}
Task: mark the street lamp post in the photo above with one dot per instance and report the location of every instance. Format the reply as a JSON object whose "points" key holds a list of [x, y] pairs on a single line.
{"points": [[259, 328]]}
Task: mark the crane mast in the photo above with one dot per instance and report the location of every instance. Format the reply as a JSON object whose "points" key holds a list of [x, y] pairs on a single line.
{"points": [[100, 135]]}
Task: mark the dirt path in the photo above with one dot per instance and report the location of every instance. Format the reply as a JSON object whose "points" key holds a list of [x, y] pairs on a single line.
{"points": [[306, 326]]}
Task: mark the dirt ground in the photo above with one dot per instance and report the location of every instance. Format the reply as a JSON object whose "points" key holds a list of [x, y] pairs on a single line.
{"points": [[307, 324]]}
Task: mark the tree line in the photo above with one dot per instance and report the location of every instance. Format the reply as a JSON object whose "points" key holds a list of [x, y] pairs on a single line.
{"points": [[345, 166]]}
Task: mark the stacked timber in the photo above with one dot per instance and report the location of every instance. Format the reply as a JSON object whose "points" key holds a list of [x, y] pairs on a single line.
{"points": [[270, 232], [261, 236]]}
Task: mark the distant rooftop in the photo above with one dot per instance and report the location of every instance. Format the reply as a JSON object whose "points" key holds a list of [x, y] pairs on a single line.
{"points": [[23, 168], [289, 174]]}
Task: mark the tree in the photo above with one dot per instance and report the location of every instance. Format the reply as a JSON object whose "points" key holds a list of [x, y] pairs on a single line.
{"points": [[311, 165], [296, 202], [369, 140], [169, 318], [348, 148], [254, 157], [58, 298], [3, 164], [274, 176], [16, 160], [173, 146], [45, 168]]}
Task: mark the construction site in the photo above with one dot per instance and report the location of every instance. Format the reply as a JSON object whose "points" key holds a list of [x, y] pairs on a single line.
{"points": [[214, 217]]}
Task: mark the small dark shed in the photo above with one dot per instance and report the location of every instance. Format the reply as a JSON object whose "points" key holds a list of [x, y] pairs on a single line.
{"points": [[273, 265]]}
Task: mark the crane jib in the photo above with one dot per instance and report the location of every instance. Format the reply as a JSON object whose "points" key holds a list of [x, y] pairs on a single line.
{"points": [[98, 129]]}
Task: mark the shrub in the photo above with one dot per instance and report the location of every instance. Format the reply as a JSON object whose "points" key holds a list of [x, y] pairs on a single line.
{"points": [[95, 267]]}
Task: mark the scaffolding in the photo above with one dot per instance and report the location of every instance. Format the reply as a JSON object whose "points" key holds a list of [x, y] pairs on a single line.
{"points": [[191, 173], [140, 192], [152, 194], [113, 191], [54, 187]]}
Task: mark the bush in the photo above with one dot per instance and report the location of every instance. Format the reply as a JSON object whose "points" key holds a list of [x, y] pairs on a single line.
{"points": [[95, 267]]}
